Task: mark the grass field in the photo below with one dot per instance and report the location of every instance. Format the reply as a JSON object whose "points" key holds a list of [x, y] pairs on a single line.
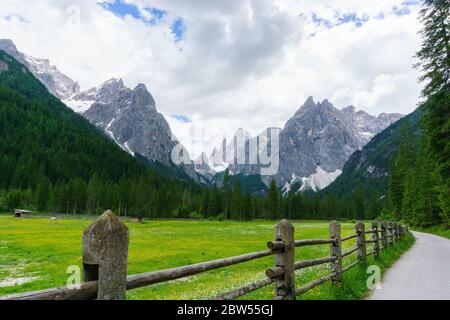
{"points": [[39, 250]]}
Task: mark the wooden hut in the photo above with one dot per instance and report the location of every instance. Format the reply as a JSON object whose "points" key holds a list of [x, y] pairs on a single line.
{"points": [[19, 213], [137, 219]]}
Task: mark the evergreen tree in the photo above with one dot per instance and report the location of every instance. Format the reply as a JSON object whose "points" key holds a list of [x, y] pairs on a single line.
{"points": [[43, 194], [236, 201], [358, 203], [427, 181], [143, 196], [408, 200], [272, 201], [247, 213], [395, 187], [215, 206], [226, 194], [434, 62], [434, 54], [204, 206]]}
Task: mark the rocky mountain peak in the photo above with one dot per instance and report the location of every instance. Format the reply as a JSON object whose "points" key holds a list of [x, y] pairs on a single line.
{"points": [[57, 83], [349, 110], [9, 47], [310, 101], [142, 97]]}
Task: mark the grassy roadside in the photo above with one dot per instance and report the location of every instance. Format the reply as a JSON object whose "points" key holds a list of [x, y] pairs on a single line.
{"points": [[439, 230]]}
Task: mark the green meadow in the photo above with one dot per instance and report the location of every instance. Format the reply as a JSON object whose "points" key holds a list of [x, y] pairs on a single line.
{"points": [[35, 254]]}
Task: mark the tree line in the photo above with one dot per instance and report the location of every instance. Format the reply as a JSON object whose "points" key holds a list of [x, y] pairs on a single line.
{"points": [[419, 185]]}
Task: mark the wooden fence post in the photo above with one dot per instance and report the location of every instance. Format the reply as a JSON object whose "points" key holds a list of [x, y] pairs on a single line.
{"points": [[360, 229], [384, 234], [388, 232], [285, 285], [105, 256], [336, 250], [394, 232], [391, 233], [376, 239]]}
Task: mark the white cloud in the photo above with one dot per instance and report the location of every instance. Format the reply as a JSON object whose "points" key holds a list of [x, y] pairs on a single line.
{"points": [[241, 63]]}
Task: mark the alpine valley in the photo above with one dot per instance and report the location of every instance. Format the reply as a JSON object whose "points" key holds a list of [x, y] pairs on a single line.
{"points": [[315, 143]]}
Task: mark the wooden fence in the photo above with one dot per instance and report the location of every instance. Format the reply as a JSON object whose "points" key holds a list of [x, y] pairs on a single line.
{"points": [[105, 255]]}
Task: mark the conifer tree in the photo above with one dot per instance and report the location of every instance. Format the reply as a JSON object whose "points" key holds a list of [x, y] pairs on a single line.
{"points": [[43, 194], [434, 63], [434, 54], [358, 202], [272, 201]]}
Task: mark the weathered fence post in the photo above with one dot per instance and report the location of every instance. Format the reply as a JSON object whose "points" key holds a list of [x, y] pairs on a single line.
{"points": [[389, 232], [285, 285], [336, 250], [105, 256], [384, 234], [376, 239], [361, 241], [394, 232]]}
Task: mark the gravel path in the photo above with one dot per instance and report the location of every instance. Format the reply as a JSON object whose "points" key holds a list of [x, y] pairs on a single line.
{"points": [[422, 273]]}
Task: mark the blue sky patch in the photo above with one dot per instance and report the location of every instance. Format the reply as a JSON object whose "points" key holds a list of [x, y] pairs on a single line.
{"points": [[178, 28], [401, 11], [182, 118], [404, 9], [321, 21], [157, 15], [351, 17], [122, 9]]}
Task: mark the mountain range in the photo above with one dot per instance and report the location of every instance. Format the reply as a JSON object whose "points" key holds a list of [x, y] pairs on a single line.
{"points": [[127, 116], [369, 166], [314, 145]]}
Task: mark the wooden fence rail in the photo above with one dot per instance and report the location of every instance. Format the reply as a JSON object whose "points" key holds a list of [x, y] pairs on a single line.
{"points": [[105, 260]]}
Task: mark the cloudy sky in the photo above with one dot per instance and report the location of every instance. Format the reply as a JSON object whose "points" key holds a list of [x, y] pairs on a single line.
{"points": [[216, 65]]}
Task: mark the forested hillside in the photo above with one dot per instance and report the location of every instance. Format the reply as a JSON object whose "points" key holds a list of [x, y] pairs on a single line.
{"points": [[53, 159]]}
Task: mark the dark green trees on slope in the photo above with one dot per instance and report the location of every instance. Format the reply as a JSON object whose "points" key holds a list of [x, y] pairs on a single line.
{"points": [[414, 181], [434, 55], [434, 63], [53, 159], [409, 162]]}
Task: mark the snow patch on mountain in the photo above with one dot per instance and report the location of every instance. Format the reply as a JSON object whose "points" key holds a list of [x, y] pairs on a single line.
{"points": [[79, 106], [316, 182]]}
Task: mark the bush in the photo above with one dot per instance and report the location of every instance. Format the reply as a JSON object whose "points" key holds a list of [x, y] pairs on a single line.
{"points": [[221, 217], [195, 216]]}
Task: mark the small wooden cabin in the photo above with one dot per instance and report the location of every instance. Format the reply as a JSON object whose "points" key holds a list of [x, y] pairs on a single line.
{"points": [[19, 213], [137, 219]]}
